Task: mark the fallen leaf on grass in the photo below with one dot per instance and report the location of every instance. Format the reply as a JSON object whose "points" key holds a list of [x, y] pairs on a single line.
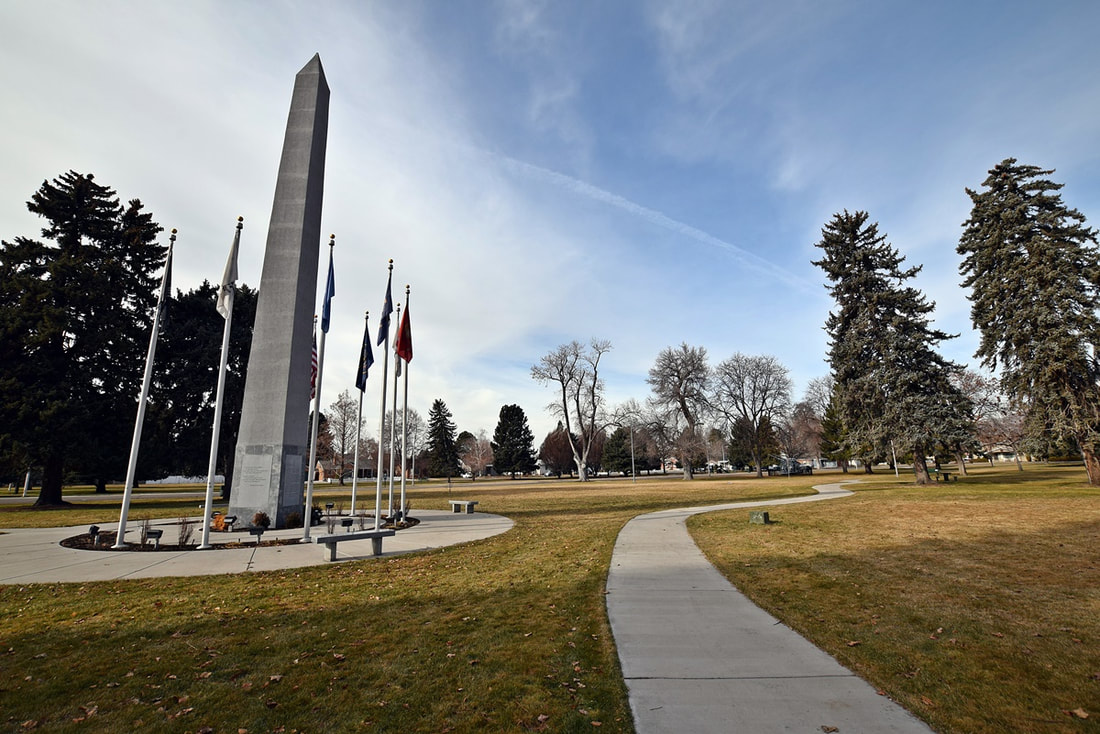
{"points": [[89, 712], [1080, 713], [854, 643], [926, 701]]}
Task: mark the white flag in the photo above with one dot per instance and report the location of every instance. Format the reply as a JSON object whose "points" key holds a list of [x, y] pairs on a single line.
{"points": [[229, 277]]}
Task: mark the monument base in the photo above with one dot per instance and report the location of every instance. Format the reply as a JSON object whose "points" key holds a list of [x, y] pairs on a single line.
{"points": [[269, 476]]}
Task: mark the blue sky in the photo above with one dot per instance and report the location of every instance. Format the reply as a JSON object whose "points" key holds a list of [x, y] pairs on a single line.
{"points": [[644, 172]]}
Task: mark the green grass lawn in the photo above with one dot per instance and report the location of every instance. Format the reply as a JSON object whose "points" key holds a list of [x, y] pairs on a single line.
{"points": [[511, 634]]}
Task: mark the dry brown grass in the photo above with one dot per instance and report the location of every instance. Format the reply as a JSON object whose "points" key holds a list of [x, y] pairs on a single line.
{"points": [[974, 604], [505, 634]]}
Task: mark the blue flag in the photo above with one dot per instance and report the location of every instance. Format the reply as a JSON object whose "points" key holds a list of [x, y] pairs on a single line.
{"points": [[366, 359], [330, 291], [387, 309]]}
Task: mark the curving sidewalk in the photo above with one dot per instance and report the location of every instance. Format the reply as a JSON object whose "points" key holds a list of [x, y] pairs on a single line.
{"points": [[699, 657]]}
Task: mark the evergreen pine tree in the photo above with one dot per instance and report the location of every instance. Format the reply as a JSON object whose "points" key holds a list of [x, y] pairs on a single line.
{"points": [[75, 311], [893, 388], [1033, 268], [616, 452], [834, 436], [443, 459], [513, 443]]}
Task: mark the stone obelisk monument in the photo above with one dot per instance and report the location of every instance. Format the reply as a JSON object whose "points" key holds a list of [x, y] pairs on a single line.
{"points": [[273, 442]]}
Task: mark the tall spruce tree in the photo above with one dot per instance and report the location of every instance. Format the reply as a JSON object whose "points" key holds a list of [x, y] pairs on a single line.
{"points": [[181, 403], [75, 313], [893, 388], [834, 446], [1034, 272], [443, 459], [513, 443]]}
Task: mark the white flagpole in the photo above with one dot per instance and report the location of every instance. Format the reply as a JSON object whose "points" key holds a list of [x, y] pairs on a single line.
{"points": [[382, 418], [393, 426], [404, 417], [228, 281], [355, 464], [307, 518], [146, 381], [358, 428]]}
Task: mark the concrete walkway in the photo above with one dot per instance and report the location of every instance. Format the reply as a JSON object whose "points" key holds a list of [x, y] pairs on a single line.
{"points": [[699, 657], [35, 556]]}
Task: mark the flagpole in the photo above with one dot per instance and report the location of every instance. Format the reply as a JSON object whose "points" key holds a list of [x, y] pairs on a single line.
{"points": [[383, 335], [146, 381], [229, 292], [307, 517], [393, 427], [359, 419], [404, 415]]}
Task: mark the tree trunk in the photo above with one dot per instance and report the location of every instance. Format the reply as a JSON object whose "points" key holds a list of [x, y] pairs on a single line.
{"points": [[100, 485], [1092, 464], [687, 468], [962, 464], [52, 473], [920, 466]]}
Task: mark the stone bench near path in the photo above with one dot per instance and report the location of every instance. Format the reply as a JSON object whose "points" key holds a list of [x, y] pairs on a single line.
{"points": [[466, 506], [375, 537]]}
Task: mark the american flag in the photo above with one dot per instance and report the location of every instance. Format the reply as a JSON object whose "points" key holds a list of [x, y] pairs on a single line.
{"points": [[313, 367]]}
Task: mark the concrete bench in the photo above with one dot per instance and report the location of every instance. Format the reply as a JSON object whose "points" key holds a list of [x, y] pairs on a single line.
{"points": [[375, 536], [466, 506]]}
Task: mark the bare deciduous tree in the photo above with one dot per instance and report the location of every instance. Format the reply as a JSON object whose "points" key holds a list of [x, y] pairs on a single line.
{"points": [[819, 392], [476, 452], [342, 418], [757, 390], [574, 370], [998, 422], [680, 379]]}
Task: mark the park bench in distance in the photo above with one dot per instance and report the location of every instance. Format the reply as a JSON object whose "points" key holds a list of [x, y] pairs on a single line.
{"points": [[466, 506]]}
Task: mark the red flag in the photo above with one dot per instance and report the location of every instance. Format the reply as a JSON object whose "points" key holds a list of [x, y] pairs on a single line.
{"points": [[404, 345]]}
